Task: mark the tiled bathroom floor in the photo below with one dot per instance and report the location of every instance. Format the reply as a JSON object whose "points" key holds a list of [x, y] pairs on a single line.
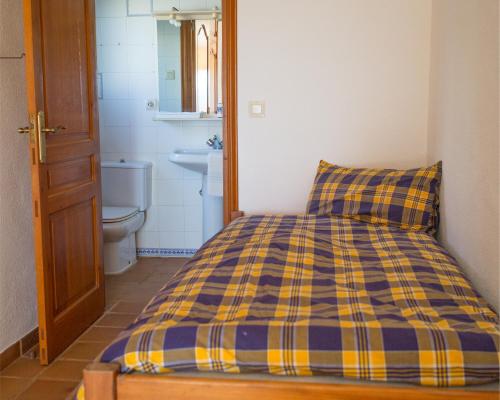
{"points": [[126, 296]]}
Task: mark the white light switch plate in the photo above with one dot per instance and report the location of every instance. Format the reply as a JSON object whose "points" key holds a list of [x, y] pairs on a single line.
{"points": [[257, 109]]}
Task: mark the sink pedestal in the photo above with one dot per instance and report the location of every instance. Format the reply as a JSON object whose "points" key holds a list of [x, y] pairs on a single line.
{"points": [[213, 218], [197, 160]]}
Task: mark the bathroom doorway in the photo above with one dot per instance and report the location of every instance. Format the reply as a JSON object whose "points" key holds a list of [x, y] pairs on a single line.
{"points": [[164, 91]]}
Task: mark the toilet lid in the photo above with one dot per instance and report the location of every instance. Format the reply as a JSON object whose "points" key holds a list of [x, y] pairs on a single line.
{"points": [[117, 214]]}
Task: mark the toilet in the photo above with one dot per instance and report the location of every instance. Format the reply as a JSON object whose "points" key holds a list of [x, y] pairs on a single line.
{"points": [[126, 195]]}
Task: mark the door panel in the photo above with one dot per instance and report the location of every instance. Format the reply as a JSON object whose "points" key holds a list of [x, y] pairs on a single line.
{"points": [[73, 273], [65, 51], [60, 65], [67, 174]]}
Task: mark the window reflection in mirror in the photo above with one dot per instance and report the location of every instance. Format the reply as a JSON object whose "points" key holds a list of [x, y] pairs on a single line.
{"points": [[189, 66]]}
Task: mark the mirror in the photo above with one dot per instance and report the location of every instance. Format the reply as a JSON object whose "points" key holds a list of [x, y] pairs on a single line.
{"points": [[189, 65]]}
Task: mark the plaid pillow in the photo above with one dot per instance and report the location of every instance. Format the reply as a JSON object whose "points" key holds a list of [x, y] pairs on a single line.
{"points": [[407, 199]]}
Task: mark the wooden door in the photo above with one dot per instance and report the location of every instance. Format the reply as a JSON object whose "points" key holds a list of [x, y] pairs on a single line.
{"points": [[60, 67]]}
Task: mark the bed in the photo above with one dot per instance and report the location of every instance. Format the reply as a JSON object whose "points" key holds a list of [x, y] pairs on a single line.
{"points": [[306, 296]]}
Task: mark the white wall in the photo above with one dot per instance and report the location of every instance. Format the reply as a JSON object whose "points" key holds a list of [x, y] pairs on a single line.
{"points": [[17, 272], [126, 57], [343, 80], [464, 133]]}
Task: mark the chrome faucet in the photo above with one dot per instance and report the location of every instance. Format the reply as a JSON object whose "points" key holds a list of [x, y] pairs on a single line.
{"points": [[215, 143]]}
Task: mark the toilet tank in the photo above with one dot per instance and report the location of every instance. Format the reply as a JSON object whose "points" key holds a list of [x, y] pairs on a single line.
{"points": [[127, 184]]}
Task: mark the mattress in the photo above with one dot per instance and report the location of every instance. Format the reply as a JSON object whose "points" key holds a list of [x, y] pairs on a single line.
{"points": [[302, 295]]}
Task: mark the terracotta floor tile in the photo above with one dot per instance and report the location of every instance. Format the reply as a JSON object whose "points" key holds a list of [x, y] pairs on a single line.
{"points": [[23, 368], [146, 262], [110, 304], [64, 370], [127, 307], [100, 334], [86, 351], [123, 291], [11, 387], [173, 261], [159, 279], [139, 296], [134, 275], [48, 390], [116, 320]]}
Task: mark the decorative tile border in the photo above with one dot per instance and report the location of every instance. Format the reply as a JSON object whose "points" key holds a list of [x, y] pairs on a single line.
{"points": [[150, 252]]}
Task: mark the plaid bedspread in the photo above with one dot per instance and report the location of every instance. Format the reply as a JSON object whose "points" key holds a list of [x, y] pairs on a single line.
{"points": [[306, 295]]}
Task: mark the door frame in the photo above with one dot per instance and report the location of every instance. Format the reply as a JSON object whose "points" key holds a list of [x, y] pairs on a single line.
{"points": [[230, 101]]}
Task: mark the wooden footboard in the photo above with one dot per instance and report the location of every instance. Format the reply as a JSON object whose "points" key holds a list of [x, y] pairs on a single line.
{"points": [[102, 382]]}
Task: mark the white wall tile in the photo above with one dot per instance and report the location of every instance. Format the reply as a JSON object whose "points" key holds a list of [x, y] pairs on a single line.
{"points": [[191, 190], [112, 59], [193, 240], [169, 136], [111, 8], [115, 86], [114, 112], [147, 239], [150, 157], [115, 139], [151, 223], [193, 218], [111, 31], [139, 115], [143, 139], [170, 192], [167, 169], [165, 5], [188, 174], [195, 136], [142, 58], [171, 219], [172, 240], [193, 4], [143, 86], [114, 157], [141, 31], [139, 7]]}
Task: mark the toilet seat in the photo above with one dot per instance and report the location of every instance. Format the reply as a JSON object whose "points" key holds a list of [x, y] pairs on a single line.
{"points": [[118, 214]]}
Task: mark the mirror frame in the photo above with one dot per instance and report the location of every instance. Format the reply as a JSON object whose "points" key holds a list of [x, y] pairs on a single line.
{"points": [[193, 15]]}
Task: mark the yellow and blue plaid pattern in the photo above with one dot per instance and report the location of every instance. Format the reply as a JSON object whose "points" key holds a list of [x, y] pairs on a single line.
{"points": [[309, 295], [408, 199]]}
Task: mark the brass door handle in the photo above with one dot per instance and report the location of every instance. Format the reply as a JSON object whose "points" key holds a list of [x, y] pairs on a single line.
{"points": [[41, 133], [53, 130], [30, 128], [40, 127]]}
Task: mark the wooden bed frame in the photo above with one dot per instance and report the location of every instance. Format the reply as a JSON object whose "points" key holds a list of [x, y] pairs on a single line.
{"points": [[103, 382]]}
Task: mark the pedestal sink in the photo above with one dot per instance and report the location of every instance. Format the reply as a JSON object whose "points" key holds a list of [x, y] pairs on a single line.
{"points": [[197, 160], [192, 159]]}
